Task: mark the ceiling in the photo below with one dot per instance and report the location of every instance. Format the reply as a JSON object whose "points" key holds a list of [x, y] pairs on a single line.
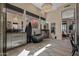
{"points": [[54, 5]]}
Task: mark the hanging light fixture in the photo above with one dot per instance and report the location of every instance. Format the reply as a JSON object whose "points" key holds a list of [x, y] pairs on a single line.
{"points": [[47, 7]]}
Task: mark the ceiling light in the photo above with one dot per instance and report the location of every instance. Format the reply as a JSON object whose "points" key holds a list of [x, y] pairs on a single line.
{"points": [[47, 7]]}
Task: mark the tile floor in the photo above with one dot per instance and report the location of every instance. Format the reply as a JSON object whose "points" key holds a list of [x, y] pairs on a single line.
{"points": [[57, 48]]}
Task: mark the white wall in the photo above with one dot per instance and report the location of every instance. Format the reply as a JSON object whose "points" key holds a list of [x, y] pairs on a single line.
{"points": [[55, 17]]}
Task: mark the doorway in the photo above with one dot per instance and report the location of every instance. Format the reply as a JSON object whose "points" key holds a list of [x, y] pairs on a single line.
{"points": [[68, 22]]}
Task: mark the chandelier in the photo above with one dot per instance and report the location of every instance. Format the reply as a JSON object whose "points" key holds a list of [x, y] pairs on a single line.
{"points": [[47, 7]]}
